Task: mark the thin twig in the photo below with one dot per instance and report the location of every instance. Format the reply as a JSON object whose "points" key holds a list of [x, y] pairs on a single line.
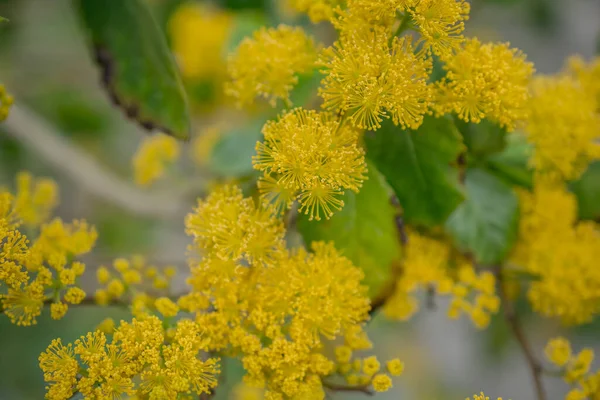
{"points": [[515, 326], [33, 132], [335, 387]]}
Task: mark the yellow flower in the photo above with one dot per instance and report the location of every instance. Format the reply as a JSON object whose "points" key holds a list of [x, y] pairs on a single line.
{"points": [[35, 198], [481, 396], [368, 80], [107, 326], [200, 56], [6, 101], [485, 81], [166, 307], [563, 126], [343, 354], [60, 370], [74, 295], [440, 23], [395, 367], [155, 154], [58, 310], [560, 252], [382, 383], [268, 64], [558, 351], [310, 156], [231, 227], [23, 305], [370, 365]]}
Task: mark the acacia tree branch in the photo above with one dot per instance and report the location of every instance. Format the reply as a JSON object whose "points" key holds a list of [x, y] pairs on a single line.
{"points": [[37, 134], [514, 324]]}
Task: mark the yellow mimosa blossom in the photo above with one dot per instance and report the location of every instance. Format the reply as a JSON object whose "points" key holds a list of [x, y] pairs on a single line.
{"points": [[560, 252], [395, 367], [268, 64], [166, 307], [134, 278], [485, 81], [382, 383], [42, 270], [558, 351], [563, 126], [154, 155], [575, 369], [312, 157], [297, 299], [204, 143], [367, 79], [200, 55], [317, 10], [6, 101], [140, 360], [429, 265], [35, 198]]}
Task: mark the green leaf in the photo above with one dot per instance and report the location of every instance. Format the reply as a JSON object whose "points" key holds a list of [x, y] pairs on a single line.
{"points": [[512, 164], [2, 19], [232, 155], [587, 190], [137, 67], [485, 225], [482, 139], [417, 164], [364, 230]]}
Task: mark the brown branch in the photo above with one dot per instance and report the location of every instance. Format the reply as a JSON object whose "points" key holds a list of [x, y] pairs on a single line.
{"points": [[515, 326], [335, 387]]}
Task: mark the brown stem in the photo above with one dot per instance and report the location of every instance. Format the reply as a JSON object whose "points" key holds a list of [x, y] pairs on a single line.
{"points": [[515, 326], [335, 387]]}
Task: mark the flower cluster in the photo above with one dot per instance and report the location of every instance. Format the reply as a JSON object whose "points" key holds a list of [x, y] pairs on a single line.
{"points": [[153, 156], [200, 56], [268, 65], [429, 265], [369, 79], [274, 308], [485, 81], [481, 396], [44, 270], [312, 157], [135, 282], [564, 121], [574, 369], [142, 359], [560, 252]]}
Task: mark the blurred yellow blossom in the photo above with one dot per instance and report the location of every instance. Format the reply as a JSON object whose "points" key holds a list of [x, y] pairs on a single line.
{"points": [[317, 10], [200, 55], [6, 101], [382, 383], [35, 199], [153, 156]]}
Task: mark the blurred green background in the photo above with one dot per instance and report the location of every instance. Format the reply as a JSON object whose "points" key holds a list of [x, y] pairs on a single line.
{"points": [[45, 64]]}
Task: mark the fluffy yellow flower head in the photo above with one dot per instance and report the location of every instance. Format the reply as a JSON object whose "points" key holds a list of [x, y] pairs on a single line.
{"points": [[481, 396], [155, 153], [200, 55], [367, 79], [6, 101], [310, 156], [564, 126], [485, 81], [268, 64], [232, 227], [558, 351], [560, 252]]}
